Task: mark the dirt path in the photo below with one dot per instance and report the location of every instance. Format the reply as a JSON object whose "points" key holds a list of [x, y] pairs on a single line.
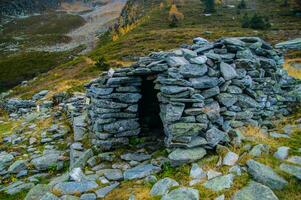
{"points": [[97, 21]]}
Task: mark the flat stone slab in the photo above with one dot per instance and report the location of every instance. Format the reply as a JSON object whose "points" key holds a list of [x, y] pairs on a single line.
{"points": [[255, 191], [265, 175], [182, 193], [75, 187], [140, 171], [292, 170], [220, 183], [162, 186], [180, 156], [101, 193]]}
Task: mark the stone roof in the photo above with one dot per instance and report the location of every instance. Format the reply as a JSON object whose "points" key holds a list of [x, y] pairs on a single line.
{"points": [[205, 91]]}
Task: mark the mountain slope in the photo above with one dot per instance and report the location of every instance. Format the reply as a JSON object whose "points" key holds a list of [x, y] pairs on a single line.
{"points": [[153, 33]]}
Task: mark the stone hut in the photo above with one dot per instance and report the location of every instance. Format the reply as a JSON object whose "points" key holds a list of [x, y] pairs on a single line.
{"points": [[194, 97]]}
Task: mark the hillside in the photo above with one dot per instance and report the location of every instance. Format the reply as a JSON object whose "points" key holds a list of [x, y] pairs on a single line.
{"points": [[152, 33], [172, 103]]}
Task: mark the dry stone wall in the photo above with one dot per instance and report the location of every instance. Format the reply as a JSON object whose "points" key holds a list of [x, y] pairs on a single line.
{"points": [[205, 90]]}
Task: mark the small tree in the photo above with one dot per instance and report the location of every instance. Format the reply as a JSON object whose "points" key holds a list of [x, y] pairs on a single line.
{"points": [[242, 5], [174, 16], [209, 6]]}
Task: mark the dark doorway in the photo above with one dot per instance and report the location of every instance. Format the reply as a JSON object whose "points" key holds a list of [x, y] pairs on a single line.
{"points": [[149, 110]]}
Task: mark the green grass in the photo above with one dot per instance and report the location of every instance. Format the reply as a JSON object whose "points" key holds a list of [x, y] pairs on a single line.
{"points": [[45, 29], [154, 34], [18, 196], [27, 65]]}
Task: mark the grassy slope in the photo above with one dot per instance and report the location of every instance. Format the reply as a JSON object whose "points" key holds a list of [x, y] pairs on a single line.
{"points": [[47, 29], [154, 34]]}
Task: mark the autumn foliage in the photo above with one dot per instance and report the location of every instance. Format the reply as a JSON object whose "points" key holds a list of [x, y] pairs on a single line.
{"points": [[174, 16]]}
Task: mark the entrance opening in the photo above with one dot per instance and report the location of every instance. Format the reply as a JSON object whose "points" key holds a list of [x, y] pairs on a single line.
{"points": [[149, 110]]}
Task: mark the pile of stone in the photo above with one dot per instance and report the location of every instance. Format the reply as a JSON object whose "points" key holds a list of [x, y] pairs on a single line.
{"points": [[205, 90], [17, 107]]}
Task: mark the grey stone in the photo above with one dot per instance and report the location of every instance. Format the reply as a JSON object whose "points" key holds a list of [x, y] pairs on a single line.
{"points": [[187, 129], [259, 149], [204, 82], [281, 153], [135, 156], [181, 156], [69, 197], [255, 191], [227, 99], [199, 60], [17, 187], [215, 136], [295, 160], [211, 92], [265, 175], [121, 125], [113, 174], [193, 71], [75, 187], [212, 174], [173, 61], [220, 183], [101, 193], [162, 186], [196, 174], [82, 160], [17, 166], [49, 196], [46, 161], [230, 159], [292, 170], [140, 171], [76, 174], [294, 44], [88, 196], [37, 192], [174, 111], [227, 71], [181, 194]]}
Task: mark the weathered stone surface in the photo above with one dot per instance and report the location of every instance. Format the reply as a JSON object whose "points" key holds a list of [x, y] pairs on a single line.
{"points": [[37, 192], [46, 161], [265, 175], [292, 170], [193, 71], [255, 191], [113, 174], [230, 159], [140, 171], [215, 136], [181, 194], [17, 166], [281, 153], [228, 71], [180, 156], [187, 129], [162, 186], [75, 187], [135, 157], [101, 193], [196, 174], [204, 82], [294, 44], [227, 99], [49, 196], [174, 111], [219, 183]]}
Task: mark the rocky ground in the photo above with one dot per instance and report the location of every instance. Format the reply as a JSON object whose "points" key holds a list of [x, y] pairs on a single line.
{"points": [[45, 153]]}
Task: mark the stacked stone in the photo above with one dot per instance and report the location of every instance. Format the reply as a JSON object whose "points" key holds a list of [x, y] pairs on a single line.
{"points": [[18, 107], [205, 90]]}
